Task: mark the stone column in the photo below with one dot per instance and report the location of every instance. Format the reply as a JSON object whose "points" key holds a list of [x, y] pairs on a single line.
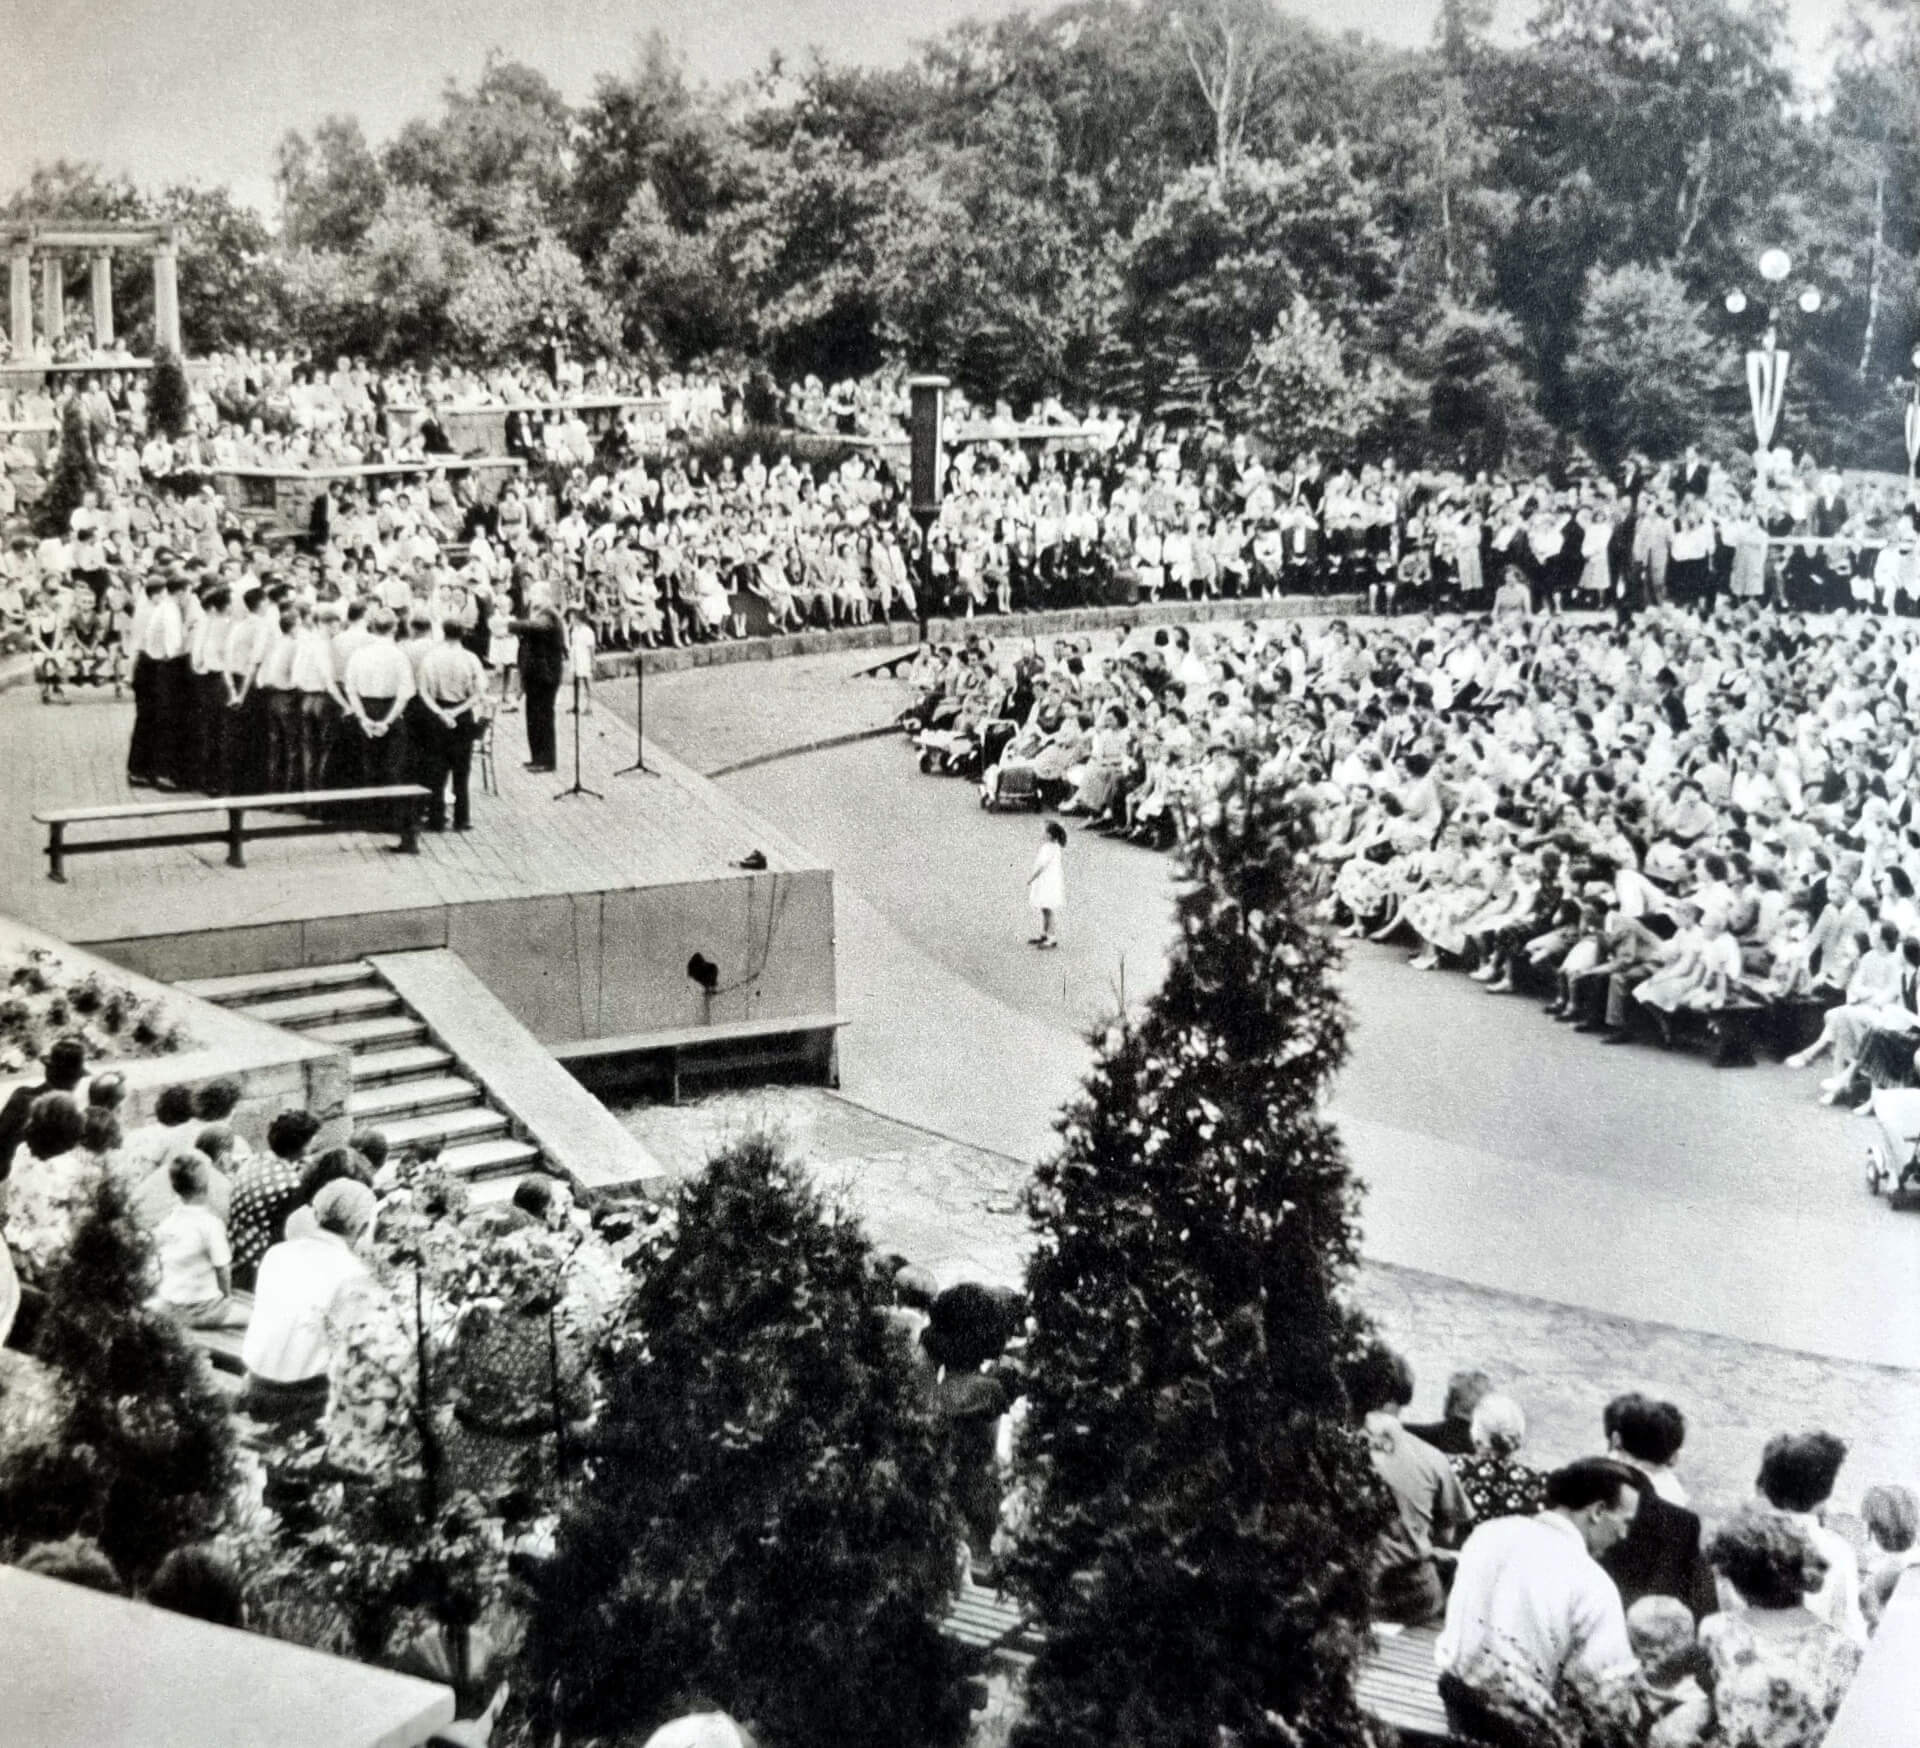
{"points": [[53, 294], [102, 285], [166, 296], [20, 299]]}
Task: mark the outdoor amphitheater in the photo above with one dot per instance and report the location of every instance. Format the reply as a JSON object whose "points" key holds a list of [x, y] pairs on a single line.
{"points": [[776, 971]]}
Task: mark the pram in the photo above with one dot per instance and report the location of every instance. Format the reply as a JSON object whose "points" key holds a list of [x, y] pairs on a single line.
{"points": [[1018, 786], [1893, 1155]]}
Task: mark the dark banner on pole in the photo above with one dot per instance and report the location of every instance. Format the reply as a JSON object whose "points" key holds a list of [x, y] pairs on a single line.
{"points": [[923, 427]]}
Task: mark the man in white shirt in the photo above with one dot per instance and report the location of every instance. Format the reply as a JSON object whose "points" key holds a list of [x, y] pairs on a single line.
{"points": [[163, 642], [302, 1299], [378, 682], [1532, 1610]]}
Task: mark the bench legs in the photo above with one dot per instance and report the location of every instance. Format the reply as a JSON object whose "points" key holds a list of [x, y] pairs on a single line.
{"points": [[409, 827], [236, 837], [57, 851]]}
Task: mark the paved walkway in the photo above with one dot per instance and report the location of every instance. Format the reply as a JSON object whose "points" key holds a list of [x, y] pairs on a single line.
{"points": [[1497, 1148], [956, 1210]]}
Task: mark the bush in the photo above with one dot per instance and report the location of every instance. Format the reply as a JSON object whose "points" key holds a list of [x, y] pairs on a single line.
{"points": [[765, 1522], [142, 1457], [1202, 1509]]}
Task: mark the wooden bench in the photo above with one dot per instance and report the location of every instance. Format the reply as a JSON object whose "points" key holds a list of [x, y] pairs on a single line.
{"points": [[784, 1040], [1397, 1684], [406, 798], [989, 1623]]}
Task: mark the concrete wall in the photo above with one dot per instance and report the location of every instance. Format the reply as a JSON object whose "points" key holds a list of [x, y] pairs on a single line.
{"points": [[573, 966], [276, 1070]]}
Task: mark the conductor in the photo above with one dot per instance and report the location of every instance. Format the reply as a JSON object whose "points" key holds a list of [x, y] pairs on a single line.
{"points": [[543, 656]]}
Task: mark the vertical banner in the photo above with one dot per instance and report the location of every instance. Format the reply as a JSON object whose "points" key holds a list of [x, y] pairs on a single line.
{"points": [[1766, 391], [925, 456]]}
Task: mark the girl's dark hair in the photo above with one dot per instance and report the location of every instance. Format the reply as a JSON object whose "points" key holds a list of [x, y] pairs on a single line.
{"points": [[1056, 831]]}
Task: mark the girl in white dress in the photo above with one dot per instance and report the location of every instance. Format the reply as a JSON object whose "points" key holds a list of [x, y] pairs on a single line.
{"points": [[1046, 885]]}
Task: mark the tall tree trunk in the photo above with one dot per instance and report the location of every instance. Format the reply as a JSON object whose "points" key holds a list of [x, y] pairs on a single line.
{"points": [[1875, 269]]}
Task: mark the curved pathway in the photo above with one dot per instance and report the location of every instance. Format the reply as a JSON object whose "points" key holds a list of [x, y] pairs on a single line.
{"points": [[1498, 1149]]}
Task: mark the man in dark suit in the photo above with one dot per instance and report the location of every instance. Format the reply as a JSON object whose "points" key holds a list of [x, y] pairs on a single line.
{"points": [[543, 656], [1660, 1554], [1452, 1433]]}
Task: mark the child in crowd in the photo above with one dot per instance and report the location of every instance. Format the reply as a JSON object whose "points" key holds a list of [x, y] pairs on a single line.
{"points": [[1673, 1705], [196, 1263]]}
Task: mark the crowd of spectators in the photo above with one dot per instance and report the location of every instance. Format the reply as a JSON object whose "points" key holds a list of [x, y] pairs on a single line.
{"points": [[1679, 816], [1595, 1591]]}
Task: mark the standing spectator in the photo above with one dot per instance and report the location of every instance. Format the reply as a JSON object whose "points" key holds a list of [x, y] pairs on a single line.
{"points": [[1778, 1669], [1533, 1612], [1892, 1518], [1797, 1473], [148, 1147], [543, 656], [1452, 1433], [1495, 1481], [266, 1189], [1660, 1555], [1429, 1508]]}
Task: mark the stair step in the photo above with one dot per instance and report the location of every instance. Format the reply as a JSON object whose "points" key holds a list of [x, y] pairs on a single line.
{"points": [[474, 1123], [409, 1062], [339, 1004], [438, 1092], [254, 986], [379, 1034], [499, 1161]]}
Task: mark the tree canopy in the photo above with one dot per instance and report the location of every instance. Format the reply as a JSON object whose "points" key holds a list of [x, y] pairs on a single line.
{"points": [[1128, 198]]}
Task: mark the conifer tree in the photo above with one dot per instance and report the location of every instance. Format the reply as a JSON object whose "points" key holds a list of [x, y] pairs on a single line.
{"points": [[141, 1458], [172, 401], [76, 471], [1201, 1506], [764, 1521]]}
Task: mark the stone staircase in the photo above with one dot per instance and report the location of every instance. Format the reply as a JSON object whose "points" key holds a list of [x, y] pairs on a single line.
{"points": [[404, 1083]]}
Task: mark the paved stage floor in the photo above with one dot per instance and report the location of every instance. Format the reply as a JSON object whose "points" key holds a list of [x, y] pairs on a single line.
{"points": [[1497, 1147], [647, 831]]}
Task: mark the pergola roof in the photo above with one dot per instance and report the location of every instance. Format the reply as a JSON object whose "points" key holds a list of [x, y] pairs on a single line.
{"points": [[53, 233]]}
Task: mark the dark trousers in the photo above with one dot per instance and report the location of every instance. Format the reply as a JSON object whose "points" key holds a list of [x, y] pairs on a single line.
{"points": [[143, 764], [282, 774], [445, 755], [317, 717], [179, 724], [539, 708], [247, 745], [384, 757], [210, 695]]}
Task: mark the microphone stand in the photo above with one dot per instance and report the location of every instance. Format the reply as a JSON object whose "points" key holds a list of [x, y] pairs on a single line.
{"points": [[577, 787], [639, 767]]}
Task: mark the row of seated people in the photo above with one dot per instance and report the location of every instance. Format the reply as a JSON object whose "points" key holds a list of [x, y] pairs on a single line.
{"points": [[1641, 822], [1600, 1590]]}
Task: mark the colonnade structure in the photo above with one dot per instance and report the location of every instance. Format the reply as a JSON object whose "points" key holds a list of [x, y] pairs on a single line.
{"points": [[51, 241]]}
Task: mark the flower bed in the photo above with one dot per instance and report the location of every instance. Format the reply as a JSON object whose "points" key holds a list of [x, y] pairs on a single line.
{"points": [[45, 998]]}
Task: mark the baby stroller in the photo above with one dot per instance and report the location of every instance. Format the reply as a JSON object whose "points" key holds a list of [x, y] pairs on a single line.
{"points": [[1019, 786], [946, 750], [1893, 1155]]}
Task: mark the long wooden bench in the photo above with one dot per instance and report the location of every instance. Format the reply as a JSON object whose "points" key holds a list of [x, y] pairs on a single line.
{"points": [[404, 814], [726, 1045], [1397, 1684]]}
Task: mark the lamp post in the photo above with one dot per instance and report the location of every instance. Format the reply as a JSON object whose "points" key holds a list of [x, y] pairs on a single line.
{"points": [[1767, 363]]}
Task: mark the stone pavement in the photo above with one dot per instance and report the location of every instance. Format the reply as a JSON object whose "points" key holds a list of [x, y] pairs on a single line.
{"points": [[956, 1210]]}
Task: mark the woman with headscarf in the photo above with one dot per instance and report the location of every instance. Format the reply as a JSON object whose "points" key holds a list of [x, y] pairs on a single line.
{"points": [[306, 1287]]}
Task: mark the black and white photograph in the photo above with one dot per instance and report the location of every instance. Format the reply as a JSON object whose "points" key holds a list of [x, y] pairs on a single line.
{"points": [[960, 874]]}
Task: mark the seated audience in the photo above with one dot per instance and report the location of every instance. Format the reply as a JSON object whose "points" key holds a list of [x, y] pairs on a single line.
{"points": [[201, 1582], [1495, 1481], [1452, 1433], [266, 1189], [196, 1265], [1660, 1553]]}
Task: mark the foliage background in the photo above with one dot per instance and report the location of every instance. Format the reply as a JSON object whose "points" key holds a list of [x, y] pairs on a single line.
{"points": [[1472, 248]]}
